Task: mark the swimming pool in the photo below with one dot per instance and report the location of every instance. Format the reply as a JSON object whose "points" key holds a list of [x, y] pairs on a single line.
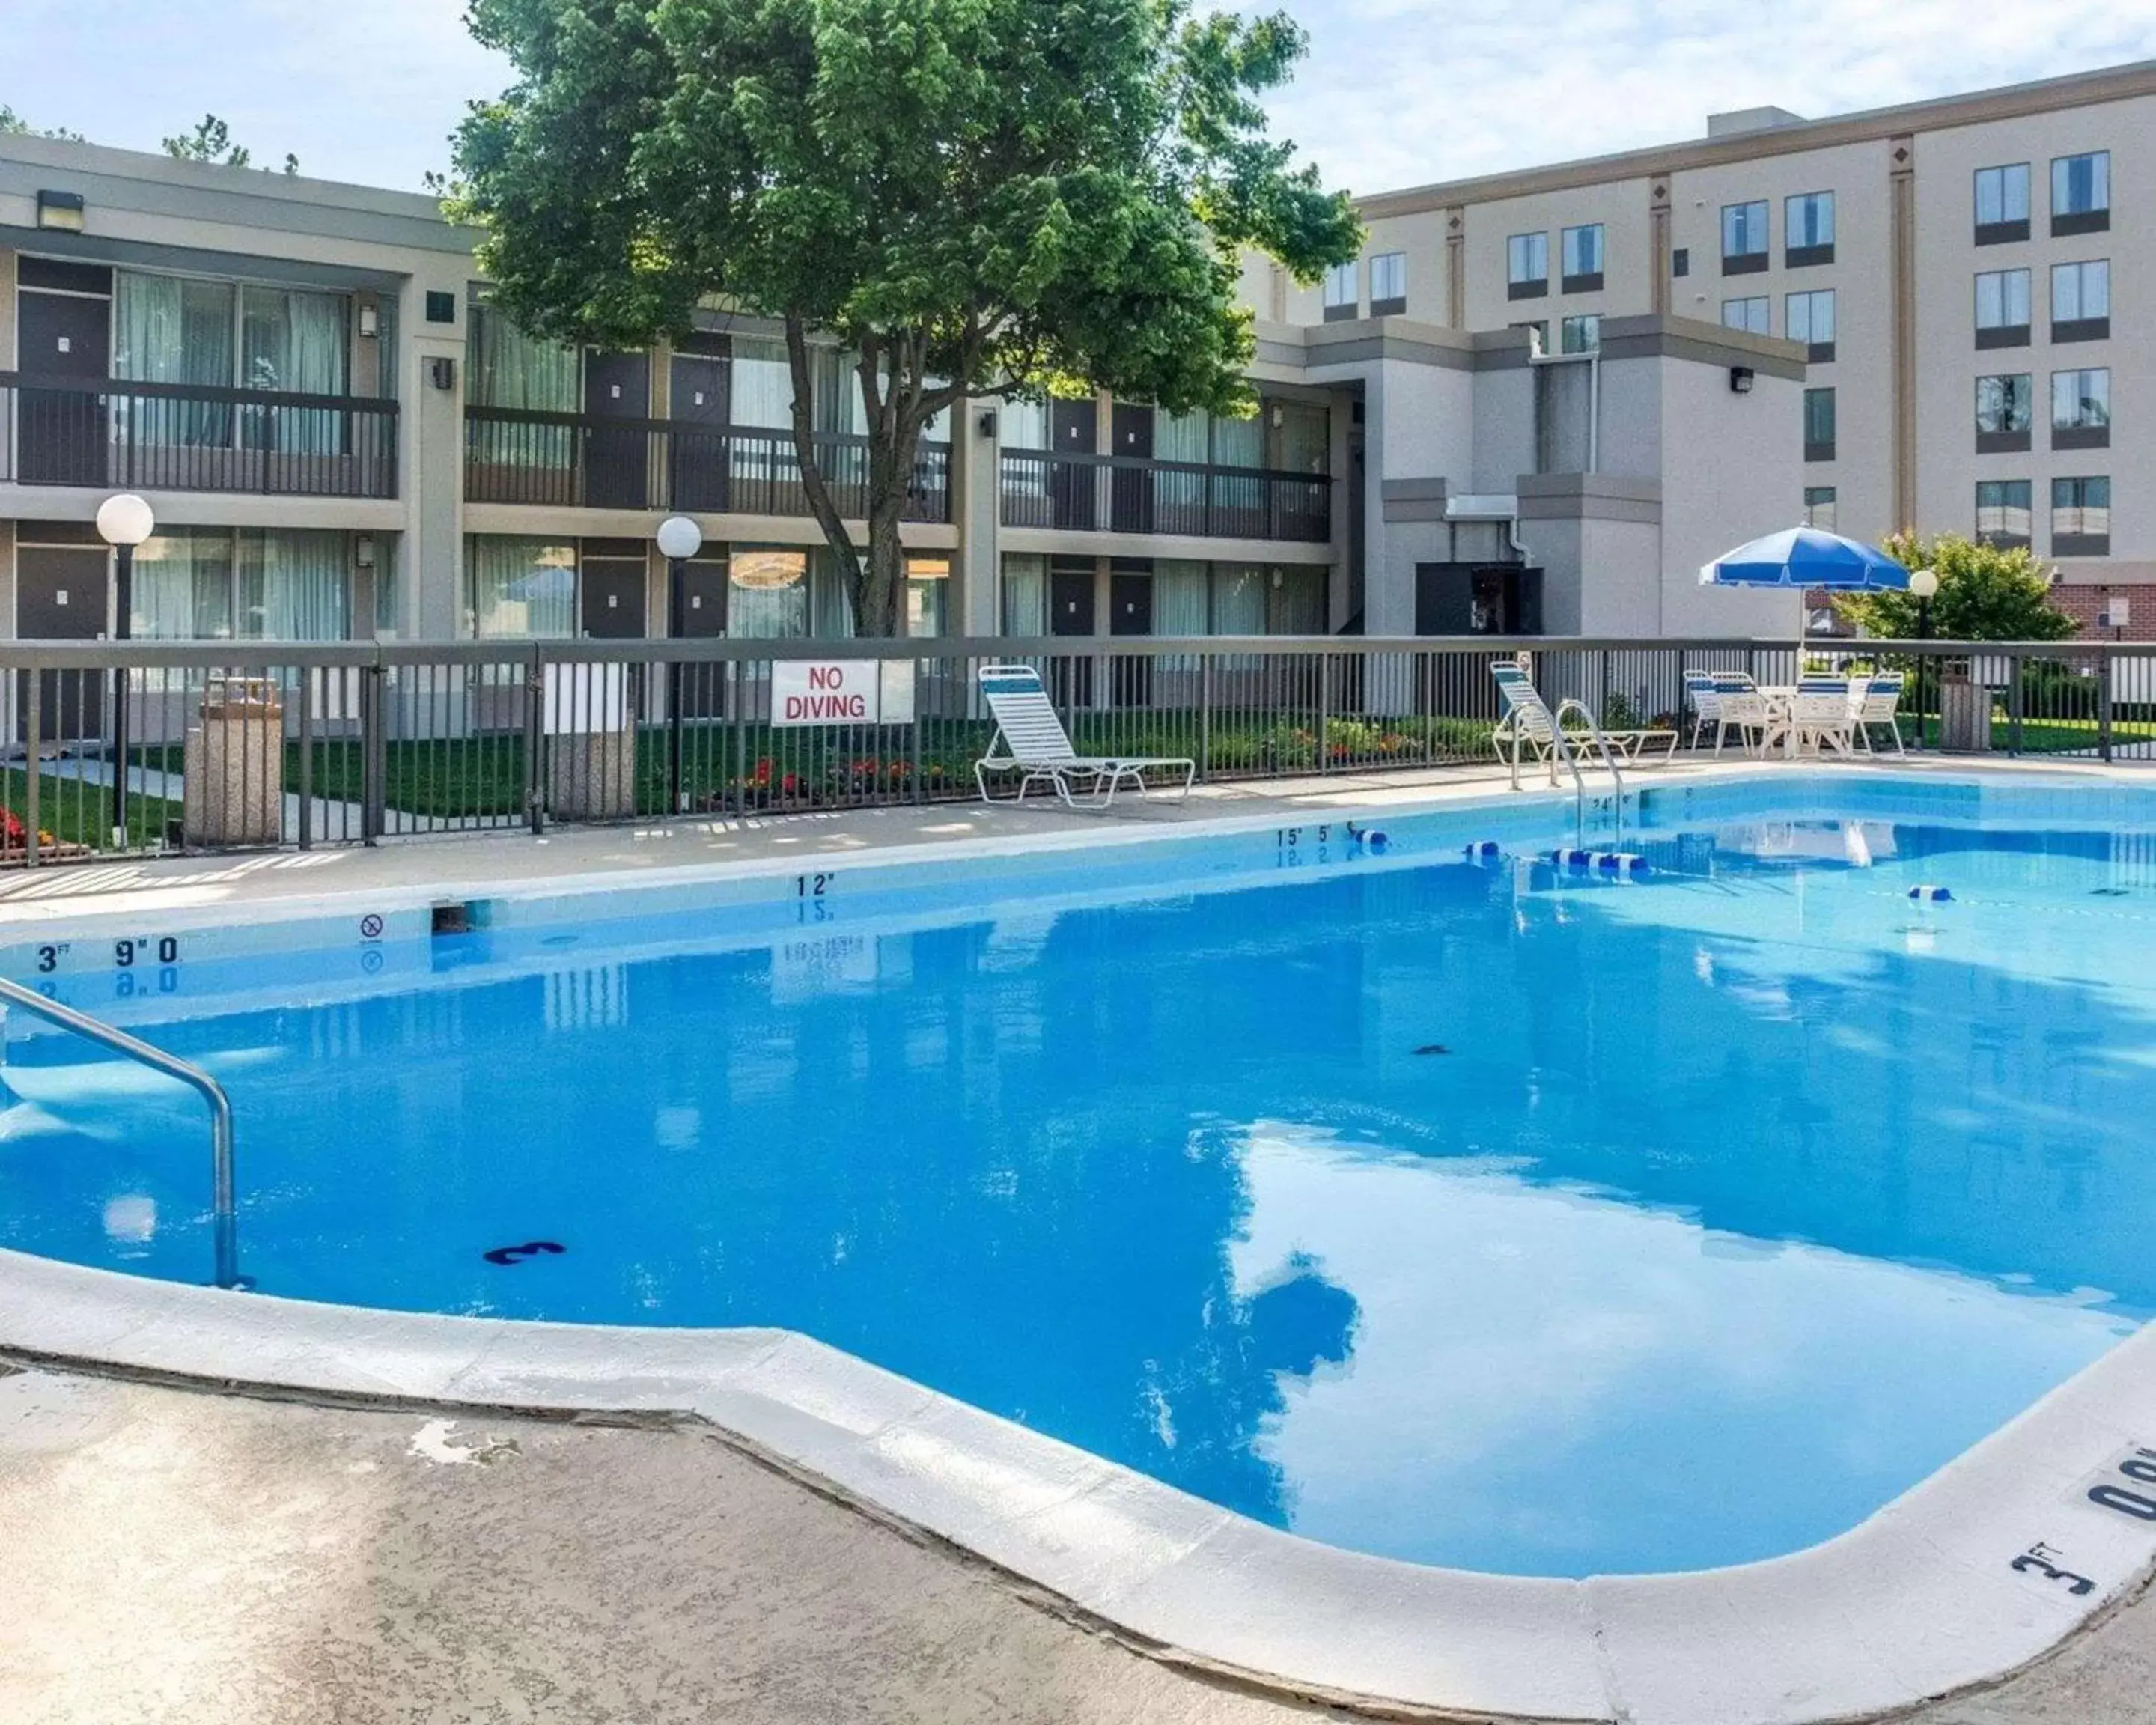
{"points": [[1481, 1213]]}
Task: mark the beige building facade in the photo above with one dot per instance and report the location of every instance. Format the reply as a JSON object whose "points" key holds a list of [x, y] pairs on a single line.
{"points": [[1966, 276]]}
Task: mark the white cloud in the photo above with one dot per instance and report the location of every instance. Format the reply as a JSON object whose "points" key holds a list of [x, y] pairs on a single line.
{"points": [[1398, 93]]}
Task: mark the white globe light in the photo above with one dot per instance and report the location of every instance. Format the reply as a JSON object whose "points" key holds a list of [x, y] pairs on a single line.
{"points": [[1924, 583], [125, 520], [679, 538]]}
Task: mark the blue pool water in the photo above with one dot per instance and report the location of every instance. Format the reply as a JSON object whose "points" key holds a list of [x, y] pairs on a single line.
{"points": [[1472, 1215]]}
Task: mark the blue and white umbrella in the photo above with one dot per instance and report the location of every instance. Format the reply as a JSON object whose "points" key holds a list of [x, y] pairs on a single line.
{"points": [[1804, 558]]}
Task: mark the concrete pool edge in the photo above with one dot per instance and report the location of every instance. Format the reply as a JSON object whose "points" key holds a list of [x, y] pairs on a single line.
{"points": [[1923, 1598]]}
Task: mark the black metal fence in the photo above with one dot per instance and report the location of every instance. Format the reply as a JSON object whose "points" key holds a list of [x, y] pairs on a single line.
{"points": [[187, 437], [245, 746], [1127, 494], [519, 456]]}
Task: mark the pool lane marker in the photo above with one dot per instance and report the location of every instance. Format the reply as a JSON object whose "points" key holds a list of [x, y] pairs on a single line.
{"points": [[1932, 895], [507, 1256], [1601, 862]]}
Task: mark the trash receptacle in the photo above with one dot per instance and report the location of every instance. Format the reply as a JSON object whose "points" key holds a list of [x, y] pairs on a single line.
{"points": [[591, 742], [234, 764], [1964, 714]]}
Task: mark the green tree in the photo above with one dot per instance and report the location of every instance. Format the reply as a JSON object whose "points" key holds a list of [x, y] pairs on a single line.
{"points": [[211, 141], [13, 124], [1987, 592], [975, 197]]}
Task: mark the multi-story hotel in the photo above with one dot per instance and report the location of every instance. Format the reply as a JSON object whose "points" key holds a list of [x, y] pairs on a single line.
{"points": [[1536, 404]]}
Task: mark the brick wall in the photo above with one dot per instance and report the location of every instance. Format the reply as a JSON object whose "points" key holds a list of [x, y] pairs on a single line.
{"points": [[2084, 604]]}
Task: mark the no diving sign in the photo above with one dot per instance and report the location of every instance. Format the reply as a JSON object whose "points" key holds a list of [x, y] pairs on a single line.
{"points": [[842, 691]]}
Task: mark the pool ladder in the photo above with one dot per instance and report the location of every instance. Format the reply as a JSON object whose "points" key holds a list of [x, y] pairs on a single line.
{"points": [[224, 1212], [1609, 752]]}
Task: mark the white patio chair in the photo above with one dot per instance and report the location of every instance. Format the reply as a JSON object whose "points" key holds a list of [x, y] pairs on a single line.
{"points": [[1819, 717], [1704, 696], [1039, 748], [1739, 707], [1875, 702]]}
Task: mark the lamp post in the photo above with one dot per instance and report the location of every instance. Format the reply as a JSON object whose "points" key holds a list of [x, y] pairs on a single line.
{"points": [[124, 522], [1925, 584], [680, 539]]}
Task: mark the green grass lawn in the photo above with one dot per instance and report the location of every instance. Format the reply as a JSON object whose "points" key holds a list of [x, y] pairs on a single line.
{"points": [[71, 811]]}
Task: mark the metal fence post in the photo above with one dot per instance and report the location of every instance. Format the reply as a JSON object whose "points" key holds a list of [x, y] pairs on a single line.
{"points": [[741, 738], [33, 737], [919, 724], [306, 757], [1324, 712], [373, 755], [2013, 703], [2103, 684], [1205, 714], [535, 745]]}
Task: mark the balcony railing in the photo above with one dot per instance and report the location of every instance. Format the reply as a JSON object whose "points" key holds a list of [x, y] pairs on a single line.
{"points": [[1128, 493], [573, 460], [189, 437]]}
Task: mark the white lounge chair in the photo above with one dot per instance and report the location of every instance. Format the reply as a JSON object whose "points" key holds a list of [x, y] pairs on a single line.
{"points": [[1529, 724], [1038, 749], [1874, 701]]}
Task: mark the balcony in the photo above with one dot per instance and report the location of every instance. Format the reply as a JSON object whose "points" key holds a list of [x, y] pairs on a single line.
{"points": [[189, 437], [1128, 493], [578, 461]]}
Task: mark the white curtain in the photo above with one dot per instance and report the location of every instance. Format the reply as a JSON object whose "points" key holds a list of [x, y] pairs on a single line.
{"points": [[1238, 443], [1179, 498], [831, 606], [296, 343], [1179, 604], [1025, 595], [1024, 425], [182, 589], [508, 369], [515, 586], [171, 329], [767, 599], [762, 384], [294, 585]]}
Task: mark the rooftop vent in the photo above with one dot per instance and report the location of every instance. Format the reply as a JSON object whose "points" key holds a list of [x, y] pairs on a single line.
{"points": [[1744, 120]]}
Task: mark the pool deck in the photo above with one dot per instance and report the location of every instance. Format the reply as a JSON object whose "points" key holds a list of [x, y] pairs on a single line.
{"points": [[746, 1524]]}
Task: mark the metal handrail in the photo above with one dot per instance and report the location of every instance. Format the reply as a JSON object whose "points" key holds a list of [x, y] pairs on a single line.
{"points": [[224, 1216], [1573, 704]]}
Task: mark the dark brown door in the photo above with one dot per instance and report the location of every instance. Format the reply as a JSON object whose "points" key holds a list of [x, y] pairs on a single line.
{"points": [[612, 590], [1073, 433], [1070, 613], [617, 461], [697, 392], [63, 432], [60, 596], [1130, 489], [1130, 613], [703, 617]]}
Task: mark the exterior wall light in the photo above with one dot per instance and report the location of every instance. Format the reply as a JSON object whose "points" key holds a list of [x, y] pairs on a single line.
{"points": [[1740, 379], [60, 209]]}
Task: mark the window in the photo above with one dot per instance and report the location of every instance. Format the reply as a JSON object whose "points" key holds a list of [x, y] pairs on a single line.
{"points": [[1809, 318], [1527, 265], [1744, 238], [1580, 335], [2002, 512], [1818, 425], [1807, 228], [767, 593], [1753, 315], [2081, 193], [2081, 517], [515, 586], [2002, 309], [1818, 507], [245, 583], [1340, 292], [1681, 261], [1388, 284], [2080, 302], [1581, 249], [2080, 409], [2004, 409], [2002, 203]]}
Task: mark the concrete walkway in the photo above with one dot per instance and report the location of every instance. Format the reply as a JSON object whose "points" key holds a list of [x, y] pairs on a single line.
{"points": [[173, 1557]]}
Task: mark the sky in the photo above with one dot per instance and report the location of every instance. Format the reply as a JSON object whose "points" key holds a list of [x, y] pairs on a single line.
{"points": [[1394, 92]]}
